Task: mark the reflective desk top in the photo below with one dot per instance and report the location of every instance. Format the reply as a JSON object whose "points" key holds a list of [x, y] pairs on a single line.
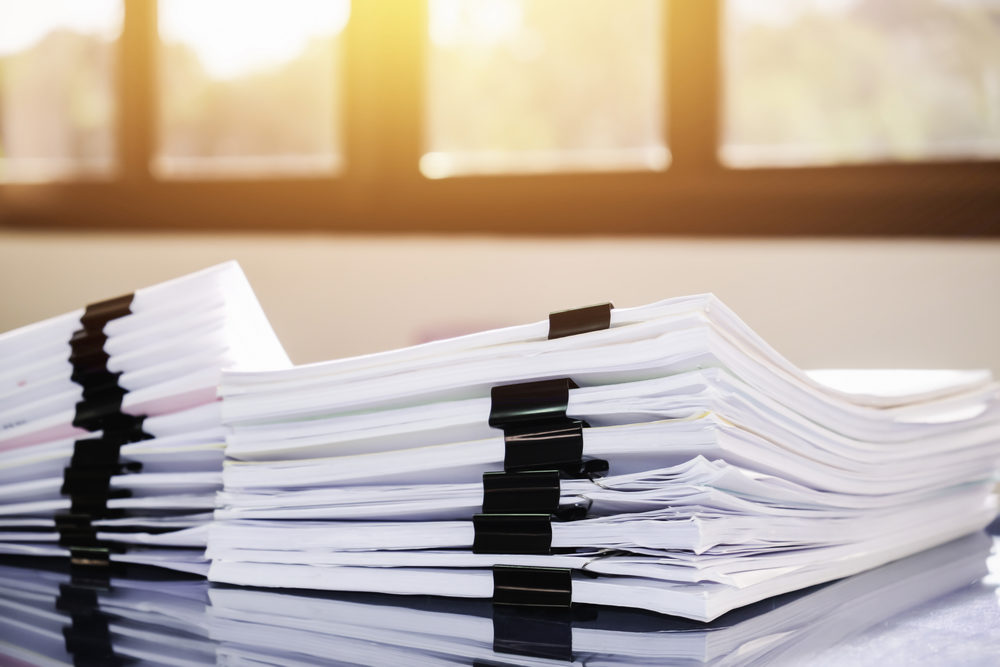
{"points": [[941, 607]]}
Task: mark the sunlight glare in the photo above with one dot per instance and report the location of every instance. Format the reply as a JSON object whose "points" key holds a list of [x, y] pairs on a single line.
{"points": [[783, 12], [476, 22], [22, 23], [234, 37]]}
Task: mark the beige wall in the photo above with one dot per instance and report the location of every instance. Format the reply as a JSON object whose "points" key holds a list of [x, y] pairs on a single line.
{"points": [[822, 303]]}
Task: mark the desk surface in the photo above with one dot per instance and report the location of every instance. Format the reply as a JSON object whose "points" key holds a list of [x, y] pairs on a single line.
{"points": [[941, 607]]}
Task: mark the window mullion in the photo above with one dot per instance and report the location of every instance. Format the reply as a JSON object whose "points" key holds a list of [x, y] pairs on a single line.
{"points": [[137, 79], [384, 80], [693, 78]]}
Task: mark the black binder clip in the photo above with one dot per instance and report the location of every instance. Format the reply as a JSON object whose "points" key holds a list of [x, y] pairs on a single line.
{"points": [[541, 444], [100, 408], [530, 402], [557, 445], [107, 417], [90, 556], [98, 414], [537, 433], [533, 612], [536, 632], [533, 491], [518, 510], [96, 315], [103, 453], [88, 639], [579, 320], [85, 344], [96, 482], [512, 534], [103, 387], [88, 360], [87, 480], [76, 599], [90, 565], [521, 586], [511, 492], [76, 530]]}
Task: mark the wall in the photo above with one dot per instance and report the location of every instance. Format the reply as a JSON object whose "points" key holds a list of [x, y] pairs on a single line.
{"points": [[823, 303]]}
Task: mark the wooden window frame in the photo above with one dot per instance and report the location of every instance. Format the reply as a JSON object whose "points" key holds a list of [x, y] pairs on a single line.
{"points": [[382, 190]]}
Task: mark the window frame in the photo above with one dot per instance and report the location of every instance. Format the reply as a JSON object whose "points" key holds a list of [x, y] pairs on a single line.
{"points": [[382, 190]]}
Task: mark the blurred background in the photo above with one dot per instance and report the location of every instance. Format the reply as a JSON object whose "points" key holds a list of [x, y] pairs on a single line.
{"points": [[390, 171]]}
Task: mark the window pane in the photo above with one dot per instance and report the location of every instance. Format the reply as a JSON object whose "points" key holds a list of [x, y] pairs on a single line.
{"points": [[57, 88], [838, 81], [528, 86], [248, 87]]}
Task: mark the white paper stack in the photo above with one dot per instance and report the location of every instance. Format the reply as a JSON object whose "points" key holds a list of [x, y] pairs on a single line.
{"points": [[110, 433], [732, 475]]}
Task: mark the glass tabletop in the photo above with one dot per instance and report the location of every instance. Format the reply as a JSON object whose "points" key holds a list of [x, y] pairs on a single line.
{"points": [[939, 607]]}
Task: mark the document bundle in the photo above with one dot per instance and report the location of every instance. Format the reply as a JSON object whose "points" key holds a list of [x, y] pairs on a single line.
{"points": [[663, 458], [111, 443]]}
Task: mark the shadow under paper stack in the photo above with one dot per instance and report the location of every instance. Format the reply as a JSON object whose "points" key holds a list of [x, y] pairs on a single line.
{"points": [[153, 616]]}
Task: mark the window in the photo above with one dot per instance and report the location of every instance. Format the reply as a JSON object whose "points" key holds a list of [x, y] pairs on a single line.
{"points": [[521, 86], [510, 116], [249, 87], [57, 112], [812, 82]]}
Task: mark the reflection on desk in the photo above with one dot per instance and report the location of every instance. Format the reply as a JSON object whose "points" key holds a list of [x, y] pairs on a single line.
{"points": [[937, 607]]}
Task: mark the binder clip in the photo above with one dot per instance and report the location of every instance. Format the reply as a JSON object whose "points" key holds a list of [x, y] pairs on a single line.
{"points": [[75, 530], [88, 639], [541, 445], [512, 534], [537, 433], [90, 556], [87, 480], [535, 632], [96, 315], [520, 586], [518, 510], [102, 453], [76, 599], [512, 492], [580, 320]]}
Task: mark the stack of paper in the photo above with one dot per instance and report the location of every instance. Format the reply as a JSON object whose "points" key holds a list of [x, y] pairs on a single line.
{"points": [[111, 444], [732, 476]]}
